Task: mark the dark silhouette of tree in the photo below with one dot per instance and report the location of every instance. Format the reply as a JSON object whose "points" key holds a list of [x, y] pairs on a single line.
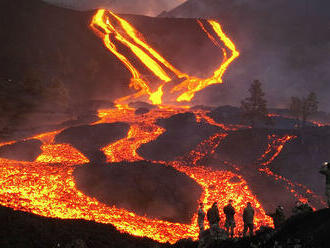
{"points": [[296, 107], [254, 107], [302, 108], [310, 106]]}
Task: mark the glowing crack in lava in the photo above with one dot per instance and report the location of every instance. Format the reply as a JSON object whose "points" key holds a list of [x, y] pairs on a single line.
{"points": [[46, 186], [105, 27]]}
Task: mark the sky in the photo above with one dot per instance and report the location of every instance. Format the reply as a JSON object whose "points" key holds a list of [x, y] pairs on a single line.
{"points": [[141, 7]]}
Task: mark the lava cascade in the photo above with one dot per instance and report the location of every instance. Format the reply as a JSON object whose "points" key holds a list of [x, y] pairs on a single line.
{"points": [[127, 35], [46, 186]]}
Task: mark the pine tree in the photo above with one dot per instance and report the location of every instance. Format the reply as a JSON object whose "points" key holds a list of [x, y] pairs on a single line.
{"points": [[310, 106], [296, 107], [254, 107], [302, 108]]}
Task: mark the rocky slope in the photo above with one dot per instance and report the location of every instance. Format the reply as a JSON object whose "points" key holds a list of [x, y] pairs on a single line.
{"points": [[282, 43]]}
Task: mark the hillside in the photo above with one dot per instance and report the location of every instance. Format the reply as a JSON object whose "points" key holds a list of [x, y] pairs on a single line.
{"points": [[51, 44], [23, 230], [282, 43]]}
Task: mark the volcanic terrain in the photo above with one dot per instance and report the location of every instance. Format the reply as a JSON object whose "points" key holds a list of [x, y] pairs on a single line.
{"points": [[143, 172]]}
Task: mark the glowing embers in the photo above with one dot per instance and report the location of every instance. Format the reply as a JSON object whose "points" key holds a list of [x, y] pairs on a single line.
{"points": [[275, 146], [50, 191], [61, 153], [113, 30], [221, 186], [125, 149]]}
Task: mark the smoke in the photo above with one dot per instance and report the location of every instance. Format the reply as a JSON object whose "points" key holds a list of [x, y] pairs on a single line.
{"points": [[282, 43], [142, 7]]}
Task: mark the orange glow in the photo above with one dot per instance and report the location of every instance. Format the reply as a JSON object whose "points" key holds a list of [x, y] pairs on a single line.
{"points": [[275, 146], [103, 24], [193, 85], [46, 186]]}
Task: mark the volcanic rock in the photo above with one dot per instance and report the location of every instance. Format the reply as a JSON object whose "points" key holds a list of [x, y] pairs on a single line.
{"points": [[244, 146], [22, 151], [90, 139], [141, 111], [227, 115], [140, 104], [281, 118], [182, 135], [287, 41], [308, 230], [21, 229], [301, 159], [298, 162], [145, 188]]}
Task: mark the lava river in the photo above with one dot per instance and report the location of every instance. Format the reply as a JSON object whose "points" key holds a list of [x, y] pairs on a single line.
{"points": [[46, 186]]}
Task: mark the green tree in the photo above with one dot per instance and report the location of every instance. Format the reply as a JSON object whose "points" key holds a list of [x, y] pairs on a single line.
{"points": [[254, 107]]}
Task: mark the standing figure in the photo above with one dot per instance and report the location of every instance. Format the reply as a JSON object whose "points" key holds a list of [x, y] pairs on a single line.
{"points": [[230, 220], [278, 217], [248, 217], [301, 208], [213, 219], [297, 209], [325, 170], [201, 217]]}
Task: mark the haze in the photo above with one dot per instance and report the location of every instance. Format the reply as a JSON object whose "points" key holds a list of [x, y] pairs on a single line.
{"points": [[141, 7]]}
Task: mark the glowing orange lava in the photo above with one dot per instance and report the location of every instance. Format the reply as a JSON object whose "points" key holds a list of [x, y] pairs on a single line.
{"points": [[46, 186], [105, 27]]}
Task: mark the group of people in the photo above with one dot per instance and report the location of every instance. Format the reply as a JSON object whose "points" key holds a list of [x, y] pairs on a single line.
{"points": [[278, 216], [213, 218]]}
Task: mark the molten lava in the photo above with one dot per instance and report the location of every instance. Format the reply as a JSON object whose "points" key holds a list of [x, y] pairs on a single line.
{"points": [[105, 27], [46, 187]]}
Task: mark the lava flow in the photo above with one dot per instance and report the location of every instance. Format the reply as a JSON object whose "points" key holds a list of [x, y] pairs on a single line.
{"points": [[104, 26], [46, 186]]}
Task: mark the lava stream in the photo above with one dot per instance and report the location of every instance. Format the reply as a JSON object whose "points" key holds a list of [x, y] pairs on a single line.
{"points": [[275, 146], [127, 35], [46, 187]]}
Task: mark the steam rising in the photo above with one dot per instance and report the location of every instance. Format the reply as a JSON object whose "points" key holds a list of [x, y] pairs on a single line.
{"points": [[142, 7]]}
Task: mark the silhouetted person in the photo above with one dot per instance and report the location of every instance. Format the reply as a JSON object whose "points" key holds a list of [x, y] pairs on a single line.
{"points": [[278, 217], [201, 217], [213, 219], [301, 208], [248, 217], [325, 170], [230, 220]]}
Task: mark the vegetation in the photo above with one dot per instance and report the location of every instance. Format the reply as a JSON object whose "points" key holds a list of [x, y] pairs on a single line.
{"points": [[302, 108], [254, 107]]}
